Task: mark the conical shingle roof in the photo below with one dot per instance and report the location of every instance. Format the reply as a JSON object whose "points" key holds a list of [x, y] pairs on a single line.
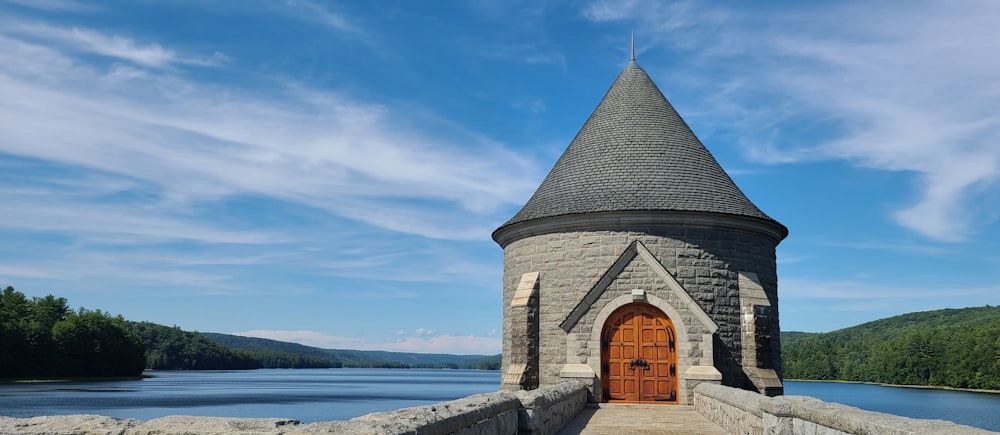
{"points": [[635, 153]]}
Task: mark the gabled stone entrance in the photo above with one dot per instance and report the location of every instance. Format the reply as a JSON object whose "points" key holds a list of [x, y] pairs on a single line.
{"points": [[637, 277]]}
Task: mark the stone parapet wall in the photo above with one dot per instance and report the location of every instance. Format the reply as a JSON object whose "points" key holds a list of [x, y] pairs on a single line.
{"points": [[542, 411], [745, 412], [737, 411], [548, 409]]}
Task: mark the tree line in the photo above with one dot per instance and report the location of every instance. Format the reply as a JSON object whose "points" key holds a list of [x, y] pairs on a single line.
{"points": [[955, 348], [488, 363], [43, 337]]}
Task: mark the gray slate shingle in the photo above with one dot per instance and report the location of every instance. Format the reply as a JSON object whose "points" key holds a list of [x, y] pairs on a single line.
{"points": [[635, 153]]}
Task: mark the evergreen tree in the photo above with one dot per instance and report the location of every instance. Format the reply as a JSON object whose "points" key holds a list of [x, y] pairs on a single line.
{"points": [[42, 337]]}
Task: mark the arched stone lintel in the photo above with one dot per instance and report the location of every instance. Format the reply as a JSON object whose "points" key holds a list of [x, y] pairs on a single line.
{"points": [[620, 301]]}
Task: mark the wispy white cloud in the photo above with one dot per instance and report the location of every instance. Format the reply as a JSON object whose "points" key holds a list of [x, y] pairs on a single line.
{"points": [[533, 104], [33, 270], [530, 53], [192, 142], [420, 332], [798, 288], [128, 272], [136, 154], [119, 224], [114, 46], [909, 248], [316, 11], [605, 10], [425, 263], [678, 23], [55, 5], [461, 344], [905, 89], [913, 100]]}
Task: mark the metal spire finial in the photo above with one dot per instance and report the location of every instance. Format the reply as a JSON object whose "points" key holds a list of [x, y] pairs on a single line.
{"points": [[633, 46]]}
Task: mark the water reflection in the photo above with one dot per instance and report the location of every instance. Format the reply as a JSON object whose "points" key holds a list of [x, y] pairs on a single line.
{"points": [[970, 408], [308, 395]]}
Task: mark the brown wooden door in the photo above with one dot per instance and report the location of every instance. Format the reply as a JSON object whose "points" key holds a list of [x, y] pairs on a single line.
{"points": [[638, 356]]}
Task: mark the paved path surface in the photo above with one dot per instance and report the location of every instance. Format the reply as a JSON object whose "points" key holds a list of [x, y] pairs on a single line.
{"points": [[619, 419]]}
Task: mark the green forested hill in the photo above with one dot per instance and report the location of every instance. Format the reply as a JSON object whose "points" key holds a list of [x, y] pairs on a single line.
{"points": [[253, 344], [362, 358], [175, 349], [953, 347], [369, 358]]}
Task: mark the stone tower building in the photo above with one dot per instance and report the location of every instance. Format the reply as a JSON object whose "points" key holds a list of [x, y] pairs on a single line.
{"points": [[638, 265]]}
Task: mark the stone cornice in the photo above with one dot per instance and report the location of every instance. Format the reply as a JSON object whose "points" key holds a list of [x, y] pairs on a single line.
{"points": [[638, 220]]}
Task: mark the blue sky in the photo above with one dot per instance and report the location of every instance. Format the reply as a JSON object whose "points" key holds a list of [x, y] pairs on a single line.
{"points": [[330, 173]]}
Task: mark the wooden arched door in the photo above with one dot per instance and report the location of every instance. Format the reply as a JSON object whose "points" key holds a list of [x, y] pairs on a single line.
{"points": [[638, 356]]}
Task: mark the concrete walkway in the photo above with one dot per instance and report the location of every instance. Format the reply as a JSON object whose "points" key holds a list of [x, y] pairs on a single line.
{"points": [[622, 419]]}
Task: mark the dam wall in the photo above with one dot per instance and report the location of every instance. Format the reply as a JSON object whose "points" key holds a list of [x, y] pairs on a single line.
{"points": [[543, 411], [747, 413]]}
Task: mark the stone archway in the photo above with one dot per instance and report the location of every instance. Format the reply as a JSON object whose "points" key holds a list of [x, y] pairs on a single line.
{"points": [[639, 356]]}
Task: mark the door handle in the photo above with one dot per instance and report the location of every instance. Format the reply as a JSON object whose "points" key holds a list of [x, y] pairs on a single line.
{"points": [[639, 362]]}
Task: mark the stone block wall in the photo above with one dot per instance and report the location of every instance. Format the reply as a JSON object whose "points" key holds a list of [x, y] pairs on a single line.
{"points": [[744, 412], [547, 410], [706, 262], [737, 411], [539, 412]]}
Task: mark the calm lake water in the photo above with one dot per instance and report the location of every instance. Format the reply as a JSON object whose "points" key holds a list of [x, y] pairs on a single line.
{"points": [[307, 395], [974, 409], [313, 395]]}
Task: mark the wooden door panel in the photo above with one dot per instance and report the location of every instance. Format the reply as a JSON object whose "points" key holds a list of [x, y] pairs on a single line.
{"points": [[662, 353], [662, 370], [665, 391], [615, 391], [649, 353]]}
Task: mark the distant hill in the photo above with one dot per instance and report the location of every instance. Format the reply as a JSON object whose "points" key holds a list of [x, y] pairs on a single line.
{"points": [[254, 344], [361, 358], [170, 348], [952, 347]]}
